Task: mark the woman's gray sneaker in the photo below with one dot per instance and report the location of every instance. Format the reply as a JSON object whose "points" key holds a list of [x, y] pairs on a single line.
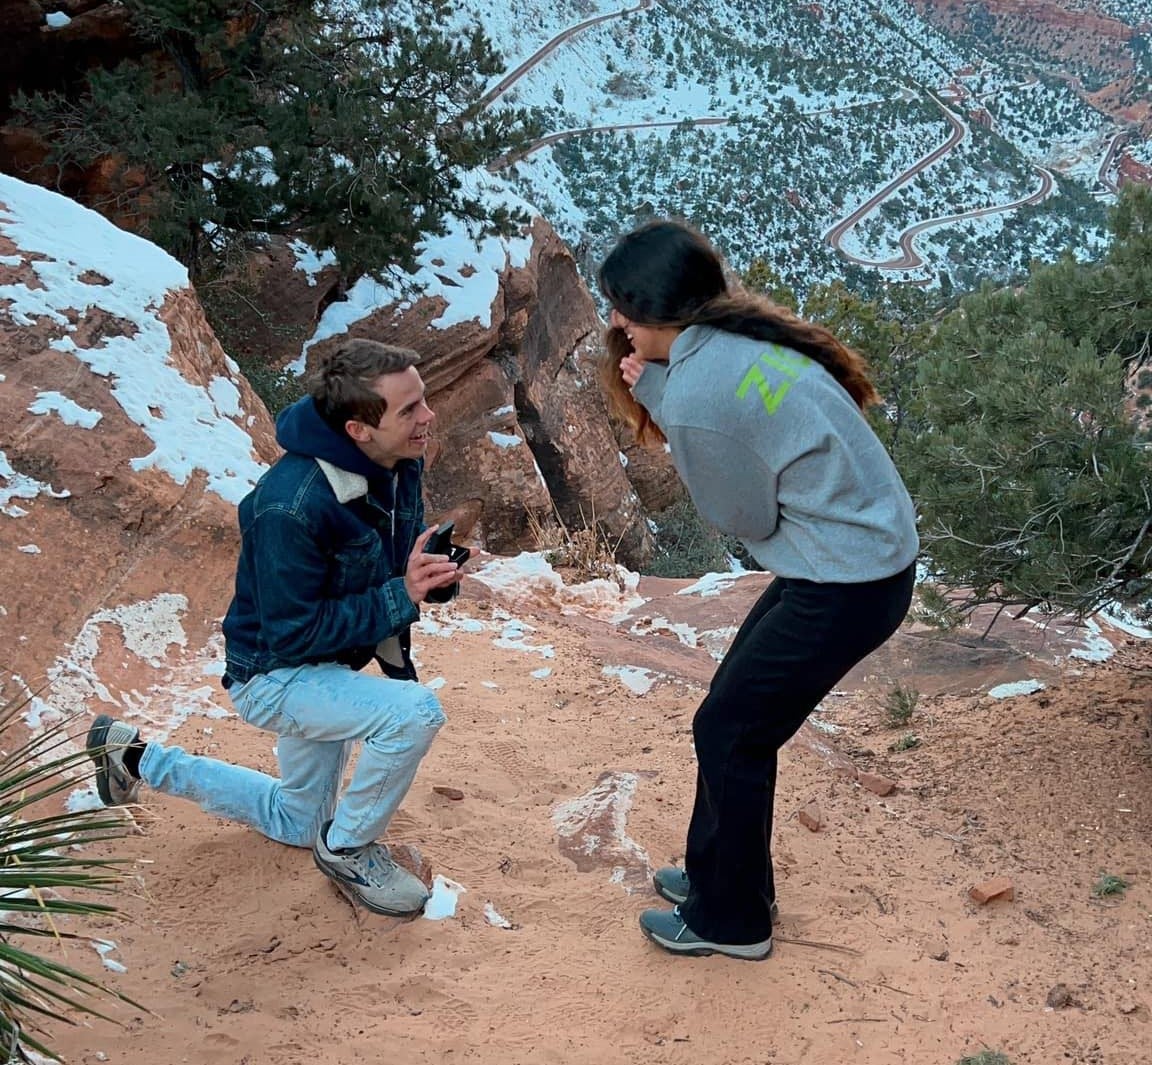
{"points": [[666, 928], [107, 741], [370, 878], [673, 884]]}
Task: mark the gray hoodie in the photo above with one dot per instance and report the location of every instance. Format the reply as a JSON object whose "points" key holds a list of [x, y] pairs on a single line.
{"points": [[774, 451]]}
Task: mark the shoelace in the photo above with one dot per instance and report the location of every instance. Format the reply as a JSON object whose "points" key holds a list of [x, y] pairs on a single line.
{"points": [[376, 858]]}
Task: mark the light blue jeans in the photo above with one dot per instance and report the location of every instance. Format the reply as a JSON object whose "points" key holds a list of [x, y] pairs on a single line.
{"points": [[318, 712]]}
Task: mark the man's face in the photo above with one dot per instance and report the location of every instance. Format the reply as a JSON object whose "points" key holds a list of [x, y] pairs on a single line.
{"points": [[403, 429]]}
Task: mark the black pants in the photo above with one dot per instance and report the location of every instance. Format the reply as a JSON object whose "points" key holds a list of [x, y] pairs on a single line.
{"points": [[798, 640]]}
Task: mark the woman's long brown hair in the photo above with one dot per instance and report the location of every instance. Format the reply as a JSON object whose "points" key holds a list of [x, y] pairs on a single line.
{"points": [[758, 317], [621, 403], [666, 273], [747, 315]]}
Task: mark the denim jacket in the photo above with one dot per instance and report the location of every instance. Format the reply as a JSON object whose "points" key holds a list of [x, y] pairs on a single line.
{"points": [[323, 552]]}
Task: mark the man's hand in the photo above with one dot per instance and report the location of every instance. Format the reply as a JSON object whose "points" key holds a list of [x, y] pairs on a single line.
{"points": [[425, 572]]}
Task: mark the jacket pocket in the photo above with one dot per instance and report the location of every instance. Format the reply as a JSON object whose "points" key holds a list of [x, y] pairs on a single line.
{"points": [[356, 564]]}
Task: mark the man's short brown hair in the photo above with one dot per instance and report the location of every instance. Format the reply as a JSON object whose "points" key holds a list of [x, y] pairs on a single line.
{"points": [[342, 384]]}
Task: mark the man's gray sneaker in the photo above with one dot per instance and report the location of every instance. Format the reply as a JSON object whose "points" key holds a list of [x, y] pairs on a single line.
{"points": [[673, 884], [107, 742], [370, 878], [666, 928]]}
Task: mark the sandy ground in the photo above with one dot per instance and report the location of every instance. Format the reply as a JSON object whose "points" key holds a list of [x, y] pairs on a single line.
{"points": [[575, 786]]}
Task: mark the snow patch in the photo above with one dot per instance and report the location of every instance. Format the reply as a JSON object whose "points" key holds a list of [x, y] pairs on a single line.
{"points": [[685, 634], [1097, 647], [713, 583], [106, 948], [1121, 617], [638, 681], [456, 267], [596, 823], [1016, 687], [512, 638], [445, 896], [529, 576], [68, 411], [20, 486], [494, 918], [309, 261]]}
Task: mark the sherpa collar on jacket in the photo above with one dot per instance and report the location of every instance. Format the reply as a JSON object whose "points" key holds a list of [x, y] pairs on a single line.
{"points": [[345, 485]]}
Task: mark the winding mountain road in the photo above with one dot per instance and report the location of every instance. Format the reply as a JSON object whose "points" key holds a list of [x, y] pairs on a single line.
{"points": [[1102, 175], [704, 120], [513, 76], [836, 234], [565, 134], [909, 258]]}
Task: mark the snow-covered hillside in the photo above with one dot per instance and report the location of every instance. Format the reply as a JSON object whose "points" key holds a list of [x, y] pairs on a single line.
{"points": [[768, 122]]}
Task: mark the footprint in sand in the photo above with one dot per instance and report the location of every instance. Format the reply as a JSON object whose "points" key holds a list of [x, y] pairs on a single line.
{"points": [[424, 997]]}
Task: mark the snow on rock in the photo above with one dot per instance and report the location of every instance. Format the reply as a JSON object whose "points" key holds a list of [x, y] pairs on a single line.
{"points": [[530, 578], [127, 436], [99, 294]]}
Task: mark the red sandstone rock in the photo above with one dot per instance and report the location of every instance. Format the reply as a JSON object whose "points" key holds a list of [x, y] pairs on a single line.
{"points": [[985, 892], [412, 858], [113, 531], [876, 783], [1133, 173], [1068, 36], [527, 374], [811, 817]]}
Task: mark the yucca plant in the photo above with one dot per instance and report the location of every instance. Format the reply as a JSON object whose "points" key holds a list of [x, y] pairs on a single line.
{"points": [[41, 872]]}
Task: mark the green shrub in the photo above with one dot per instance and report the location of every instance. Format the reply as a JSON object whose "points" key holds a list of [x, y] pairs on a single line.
{"points": [[687, 546], [252, 337], [900, 704], [277, 388], [985, 1057], [1109, 885], [934, 607], [1030, 477], [43, 865]]}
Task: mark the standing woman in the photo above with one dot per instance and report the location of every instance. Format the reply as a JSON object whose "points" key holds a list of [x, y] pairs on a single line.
{"points": [[762, 412]]}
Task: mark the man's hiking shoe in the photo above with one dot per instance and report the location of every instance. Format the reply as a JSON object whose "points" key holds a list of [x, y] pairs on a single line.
{"points": [[672, 884], [108, 741], [666, 928], [370, 878]]}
